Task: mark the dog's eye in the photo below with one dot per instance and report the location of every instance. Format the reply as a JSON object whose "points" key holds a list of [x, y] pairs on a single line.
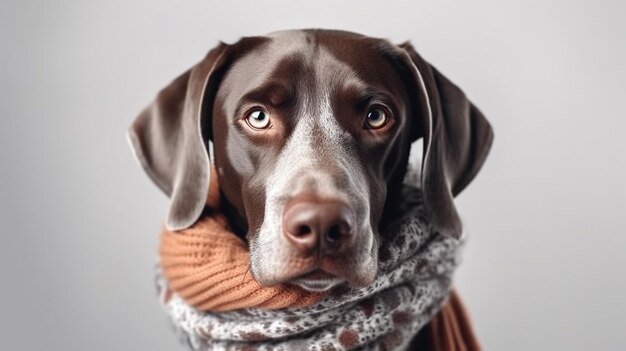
{"points": [[376, 118], [258, 119]]}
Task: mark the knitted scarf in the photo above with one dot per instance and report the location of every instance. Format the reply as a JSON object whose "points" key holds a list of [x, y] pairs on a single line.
{"points": [[215, 304]]}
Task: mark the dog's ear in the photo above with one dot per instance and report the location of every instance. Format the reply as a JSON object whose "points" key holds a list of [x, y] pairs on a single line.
{"points": [[457, 139], [169, 138]]}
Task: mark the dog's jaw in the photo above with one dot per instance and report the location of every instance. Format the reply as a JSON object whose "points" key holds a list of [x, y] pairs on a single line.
{"points": [[317, 285]]}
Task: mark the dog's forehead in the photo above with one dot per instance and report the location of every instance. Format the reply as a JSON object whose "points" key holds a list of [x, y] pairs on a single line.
{"points": [[337, 59]]}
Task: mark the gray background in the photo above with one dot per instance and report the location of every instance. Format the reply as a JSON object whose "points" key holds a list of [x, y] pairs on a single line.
{"points": [[79, 219]]}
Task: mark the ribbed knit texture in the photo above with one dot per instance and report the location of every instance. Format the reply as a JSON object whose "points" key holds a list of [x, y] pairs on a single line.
{"points": [[209, 267]]}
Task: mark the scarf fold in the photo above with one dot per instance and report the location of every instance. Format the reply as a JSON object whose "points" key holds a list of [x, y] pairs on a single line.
{"points": [[209, 267], [215, 304]]}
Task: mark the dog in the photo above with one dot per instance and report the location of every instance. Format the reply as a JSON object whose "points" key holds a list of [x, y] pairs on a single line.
{"points": [[311, 133]]}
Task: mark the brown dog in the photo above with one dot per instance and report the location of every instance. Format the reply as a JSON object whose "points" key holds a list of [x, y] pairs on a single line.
{"points": [[311, 132]]}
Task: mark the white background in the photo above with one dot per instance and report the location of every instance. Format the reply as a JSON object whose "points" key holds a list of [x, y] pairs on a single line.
{"points": [[544, 269]]}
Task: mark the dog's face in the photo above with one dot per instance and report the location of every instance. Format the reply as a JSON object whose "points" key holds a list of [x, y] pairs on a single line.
{"points": [[306, 137], [311, 132]]}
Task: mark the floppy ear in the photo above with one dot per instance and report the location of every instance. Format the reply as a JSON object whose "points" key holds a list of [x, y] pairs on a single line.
{"points": [[169, 139], [457, 139]]}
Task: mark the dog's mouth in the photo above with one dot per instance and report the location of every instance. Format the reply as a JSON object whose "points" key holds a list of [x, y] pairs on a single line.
{"points": [[317, 281]]}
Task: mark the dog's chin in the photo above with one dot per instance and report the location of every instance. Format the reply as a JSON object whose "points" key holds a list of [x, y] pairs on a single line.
{"points": [[317, 281], [317, 285]]}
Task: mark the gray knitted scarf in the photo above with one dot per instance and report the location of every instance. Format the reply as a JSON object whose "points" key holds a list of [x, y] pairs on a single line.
{"points": [[413, 281]]}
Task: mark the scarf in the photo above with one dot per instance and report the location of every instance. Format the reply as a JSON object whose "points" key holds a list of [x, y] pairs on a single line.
{"points": [[215, 304]]}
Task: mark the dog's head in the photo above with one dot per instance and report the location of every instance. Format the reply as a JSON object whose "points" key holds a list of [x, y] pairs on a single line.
{"points": [[311, 132]]}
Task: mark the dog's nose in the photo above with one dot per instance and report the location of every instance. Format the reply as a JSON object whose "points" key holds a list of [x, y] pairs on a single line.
{"points": [[327, 226]]}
